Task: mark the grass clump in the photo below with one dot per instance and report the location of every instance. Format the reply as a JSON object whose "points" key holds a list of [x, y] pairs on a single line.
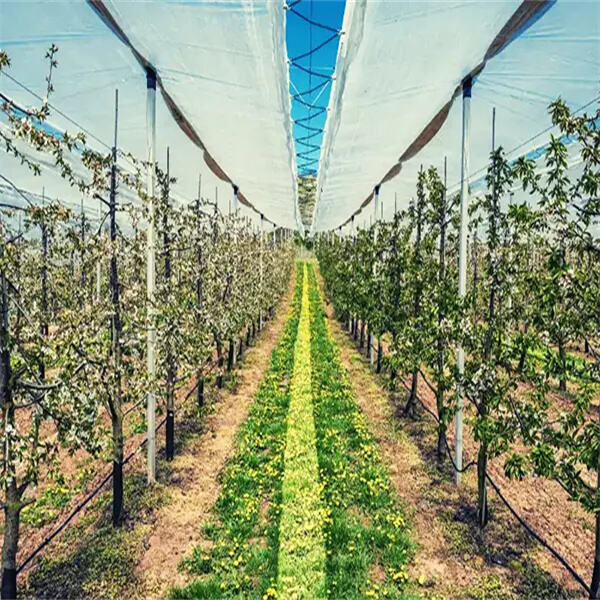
{"points": [[92, 559], [301, 544], [242, 561], [366, 532]]}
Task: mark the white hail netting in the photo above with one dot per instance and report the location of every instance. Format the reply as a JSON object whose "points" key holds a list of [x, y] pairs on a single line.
{"points": [[401, 63], [224, 64]]}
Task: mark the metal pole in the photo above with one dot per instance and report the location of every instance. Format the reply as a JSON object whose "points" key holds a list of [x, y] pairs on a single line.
{"points": [[99, 261], [462, 261], [151, 270], [262, 229], [235, 199], [376, 201]]}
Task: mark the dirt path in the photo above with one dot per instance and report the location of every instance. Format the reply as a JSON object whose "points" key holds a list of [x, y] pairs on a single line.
{"points": [[177, 526], [452, 558]]}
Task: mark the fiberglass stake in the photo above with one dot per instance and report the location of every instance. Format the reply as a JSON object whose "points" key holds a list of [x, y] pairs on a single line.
{"points": [[262, 229], [462, 262], [151, 270]]}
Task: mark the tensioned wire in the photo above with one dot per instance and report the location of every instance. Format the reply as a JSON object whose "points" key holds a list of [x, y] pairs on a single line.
{"points": [[483, 169], [306, 159]]}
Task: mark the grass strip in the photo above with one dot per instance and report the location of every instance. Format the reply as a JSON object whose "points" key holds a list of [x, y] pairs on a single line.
{"points": [[366, 533], [237, 557], [301, 570]]}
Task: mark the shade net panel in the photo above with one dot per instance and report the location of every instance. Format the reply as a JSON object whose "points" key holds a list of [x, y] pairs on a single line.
{"points": [[223, 64], [556, 51]]}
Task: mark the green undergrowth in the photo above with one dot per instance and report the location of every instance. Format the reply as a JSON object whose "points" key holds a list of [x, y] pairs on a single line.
{"points": [[90, 558], [367, 538], [238, 555], [301, 545], [54, 498]]}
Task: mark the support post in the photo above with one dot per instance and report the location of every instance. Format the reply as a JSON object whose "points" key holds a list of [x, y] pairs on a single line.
{"points": [[171, 375], [99, 262], [462, 261], [151, 270], [377, 202], [262, 230], [234, 208]]}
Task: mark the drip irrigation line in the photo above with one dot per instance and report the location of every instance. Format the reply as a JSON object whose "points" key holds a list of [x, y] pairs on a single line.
{"points": [[107, 478], [520, 519], [83, 503], [538, 537]]}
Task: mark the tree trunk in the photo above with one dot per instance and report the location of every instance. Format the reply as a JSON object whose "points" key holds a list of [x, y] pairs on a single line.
{"points": [[12, 508], [411, 404], [369, 350], [219, 364], [115, 400], [379, 355], [595, 585], [200, 391], [441, 441], [524, 351], [117, 430], [12, 515], [563, 358], [230, 356], [362, 335], [482, 499]]}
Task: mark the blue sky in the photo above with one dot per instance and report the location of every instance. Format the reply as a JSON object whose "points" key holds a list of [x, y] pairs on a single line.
{"points": [[301, 37]]}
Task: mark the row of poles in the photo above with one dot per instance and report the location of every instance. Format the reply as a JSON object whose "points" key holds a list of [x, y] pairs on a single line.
{"points": [[151, 265], [462, 256]]}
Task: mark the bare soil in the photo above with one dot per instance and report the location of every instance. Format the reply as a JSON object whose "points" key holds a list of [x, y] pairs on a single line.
{"points": [[190, 480], [177, 528]]}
